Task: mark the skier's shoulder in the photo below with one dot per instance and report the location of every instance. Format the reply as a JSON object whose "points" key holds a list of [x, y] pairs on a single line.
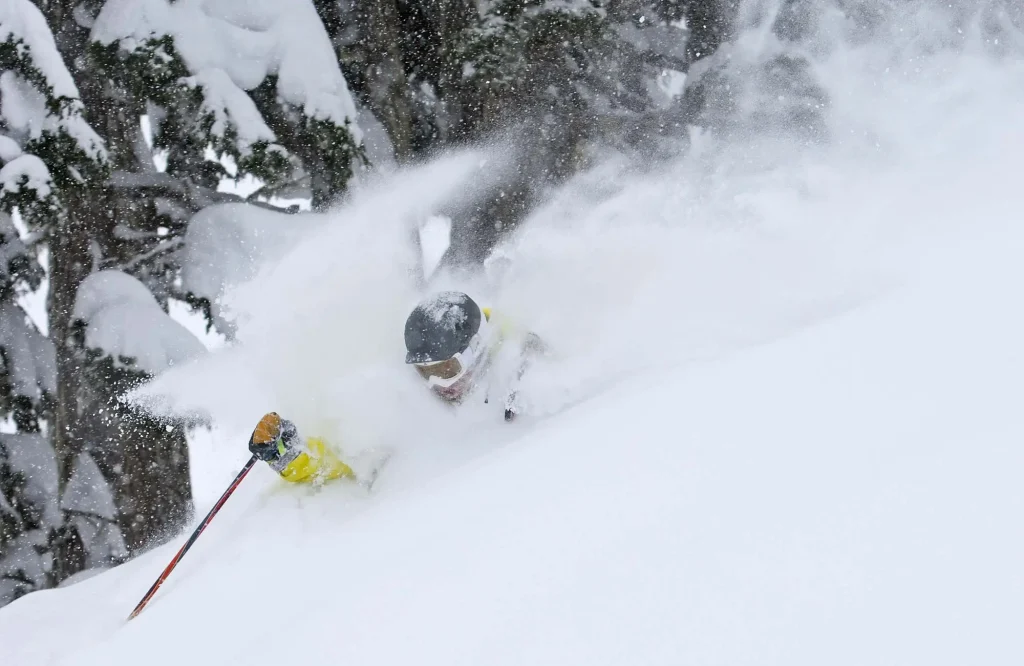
{"points": [[505, 324], [510, 329]]}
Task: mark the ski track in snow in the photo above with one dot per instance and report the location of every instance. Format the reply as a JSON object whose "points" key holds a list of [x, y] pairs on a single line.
{"points": [[781, 425]]}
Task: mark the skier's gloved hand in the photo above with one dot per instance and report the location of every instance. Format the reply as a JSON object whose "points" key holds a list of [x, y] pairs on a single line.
{"points": [[272, 438], [534, 345]]}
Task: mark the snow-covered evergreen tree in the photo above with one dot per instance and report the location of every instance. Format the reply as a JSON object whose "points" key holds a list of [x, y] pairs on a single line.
{"points": [[29, 517], [233, 90], [47, 149], [256, 81], [252, 85]]}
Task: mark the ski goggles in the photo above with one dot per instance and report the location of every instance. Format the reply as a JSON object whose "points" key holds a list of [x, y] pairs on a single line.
{"points": [[445, 373]]}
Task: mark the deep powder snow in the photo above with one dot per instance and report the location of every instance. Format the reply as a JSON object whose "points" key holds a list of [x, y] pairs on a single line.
{"points": [[781, 424]]}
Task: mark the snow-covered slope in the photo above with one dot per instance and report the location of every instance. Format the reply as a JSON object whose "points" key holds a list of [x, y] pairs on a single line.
{"points": [[847, 495], [784, 426]]}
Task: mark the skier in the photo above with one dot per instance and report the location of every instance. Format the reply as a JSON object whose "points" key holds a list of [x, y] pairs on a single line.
{"points": [[276, 441], [453, 343]]}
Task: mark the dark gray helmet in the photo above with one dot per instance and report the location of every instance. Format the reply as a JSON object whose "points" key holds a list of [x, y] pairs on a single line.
{"points": [[440, 327]]}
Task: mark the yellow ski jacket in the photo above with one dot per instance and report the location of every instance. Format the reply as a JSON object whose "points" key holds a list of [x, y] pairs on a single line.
{"points": [[317, 463]]}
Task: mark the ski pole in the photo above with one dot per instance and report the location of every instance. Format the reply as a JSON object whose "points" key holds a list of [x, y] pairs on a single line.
{"points": [[192, 539]]}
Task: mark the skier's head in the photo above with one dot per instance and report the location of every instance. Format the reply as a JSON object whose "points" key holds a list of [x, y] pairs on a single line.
{"points": [[445, 341]]}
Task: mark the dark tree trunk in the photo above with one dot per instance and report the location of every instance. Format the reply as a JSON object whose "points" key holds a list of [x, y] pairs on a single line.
{"points": [[144, 460], [70, 263]]}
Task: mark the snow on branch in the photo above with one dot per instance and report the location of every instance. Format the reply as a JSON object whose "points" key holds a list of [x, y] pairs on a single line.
{"points": [[28, 513], [226, 103], [248, 41], [14, 262], [123, 320], [87, 491], [31, 455], [9, 149], [47, 99], [227, 244], [27, 363], [90, 501], [24, 173], [23, 20]]}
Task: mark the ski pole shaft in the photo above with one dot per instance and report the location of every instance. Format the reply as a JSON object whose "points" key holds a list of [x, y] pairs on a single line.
{"points": [[192, 539]]}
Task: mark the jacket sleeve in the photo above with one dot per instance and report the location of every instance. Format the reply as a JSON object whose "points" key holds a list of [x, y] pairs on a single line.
{"points": [[532, 346]]}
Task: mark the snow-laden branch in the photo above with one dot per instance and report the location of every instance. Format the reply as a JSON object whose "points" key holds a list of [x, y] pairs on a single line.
{"points": [[227, 245], [27, 42], [233, 45], [124, 321], [160, 248], [187, 194], [30, 365]]}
